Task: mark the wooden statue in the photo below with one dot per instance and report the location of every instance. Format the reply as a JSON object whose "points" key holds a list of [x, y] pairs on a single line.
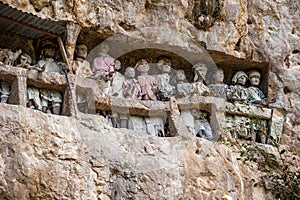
{"points": [[198, 86], [165, 90], [147, 82]]}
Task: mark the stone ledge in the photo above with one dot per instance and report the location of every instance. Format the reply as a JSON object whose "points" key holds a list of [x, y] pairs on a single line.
{"points": [[54, 81], [98, 101], [201, 102], [10, 71], [248, 110], [140, 107]]}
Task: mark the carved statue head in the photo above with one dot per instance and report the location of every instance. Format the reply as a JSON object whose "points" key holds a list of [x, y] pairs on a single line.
{"points": [[142, 66], [254, 77], [117, 64], [180, 75], [49, 44], [104, 48], [81, 51], [239, 78], [217, 76], [130, 72], [200, 71], [164, 64], [49, 49], [25, 59]]}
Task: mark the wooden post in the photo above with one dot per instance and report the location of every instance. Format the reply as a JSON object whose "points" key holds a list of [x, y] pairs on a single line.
{"points": [[65, 58], [63, 51], [73, 31]]}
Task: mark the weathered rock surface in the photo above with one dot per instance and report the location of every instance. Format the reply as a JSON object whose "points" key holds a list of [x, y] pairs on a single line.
{"points": [[55, 157], [44, 156]]}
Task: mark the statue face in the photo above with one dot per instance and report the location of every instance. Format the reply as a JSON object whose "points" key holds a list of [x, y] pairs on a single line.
{"points": [[143, 67], [104, 48], [164, 66], [5, 84], [194, 112], [180, 75], [130, 72], [254, 81], [23, 60], [82, 52], [49, 52], [242, 80], [200, 70], [117, 65], [219, 76]]}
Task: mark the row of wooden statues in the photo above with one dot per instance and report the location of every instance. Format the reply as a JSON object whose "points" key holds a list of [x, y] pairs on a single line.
{"points": [[158, 87], [143, 86], [48, 101]]}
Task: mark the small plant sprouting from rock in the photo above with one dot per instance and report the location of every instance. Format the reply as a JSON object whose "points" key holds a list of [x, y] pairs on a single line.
{"points": [[280, 175]]}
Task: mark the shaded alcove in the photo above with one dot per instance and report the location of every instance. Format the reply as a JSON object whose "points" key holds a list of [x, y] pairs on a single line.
{"points": [[131, 58], [28, 46], [130, 49], [15, 42], [12, 80], [186, 59], [231, 64], [149, 44], [50, 82]]}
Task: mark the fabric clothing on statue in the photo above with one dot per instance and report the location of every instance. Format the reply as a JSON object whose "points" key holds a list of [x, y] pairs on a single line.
{"points": [[218, 90], [137, 123], [82, 68], [203, 129], [255, 94], [103, 63], [199, 88], [50, 65], [183, 89], [5, 88], [34, 95], [237, 93], [52, 96], [5, 91], [165, 90], [116, 85], [148, 86], [155, 125], [131, 89], [188, 120]]}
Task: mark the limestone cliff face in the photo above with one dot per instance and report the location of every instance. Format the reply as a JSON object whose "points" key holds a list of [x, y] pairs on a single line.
{"points": [[54, 157]]}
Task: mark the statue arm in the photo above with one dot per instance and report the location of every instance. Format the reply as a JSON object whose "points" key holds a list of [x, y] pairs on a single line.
{"points": [[154, 83], [88, 69], [40, 66], [63, 67], [125, 88], [229, 92]]}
